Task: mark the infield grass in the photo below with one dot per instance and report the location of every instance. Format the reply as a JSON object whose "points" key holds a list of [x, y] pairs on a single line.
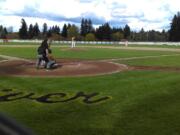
{"points": [[82, 53], [166, 61]]}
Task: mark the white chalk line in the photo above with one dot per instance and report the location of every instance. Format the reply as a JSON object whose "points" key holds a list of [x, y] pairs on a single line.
{"points": [[4, 61], [136, 48], [8, 58], [143, 57]]}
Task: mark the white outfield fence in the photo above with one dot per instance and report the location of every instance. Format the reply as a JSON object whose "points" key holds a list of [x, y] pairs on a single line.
{"points": [[96, 42]]}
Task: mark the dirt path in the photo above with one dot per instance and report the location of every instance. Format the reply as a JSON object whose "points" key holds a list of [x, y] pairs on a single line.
{"points": [[65, 68], [14, 66]]}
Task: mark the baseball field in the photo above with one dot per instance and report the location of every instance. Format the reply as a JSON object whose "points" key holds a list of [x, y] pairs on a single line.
{"points": [[96, 90]]}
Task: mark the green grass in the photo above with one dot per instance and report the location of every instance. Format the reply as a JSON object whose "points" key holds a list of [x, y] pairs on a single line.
{"points": [[167, 61], [86, 53], [141, 103], [114, 45], [1, 58], [19, 43], [155, 46]]}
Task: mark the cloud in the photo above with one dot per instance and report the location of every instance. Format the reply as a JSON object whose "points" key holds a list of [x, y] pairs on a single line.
{"points": [[2, 1], [85, 1], [150, 14]]}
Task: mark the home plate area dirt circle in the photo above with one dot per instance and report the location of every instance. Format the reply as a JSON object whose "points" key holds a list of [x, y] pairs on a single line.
{"points": [[65, 68]]}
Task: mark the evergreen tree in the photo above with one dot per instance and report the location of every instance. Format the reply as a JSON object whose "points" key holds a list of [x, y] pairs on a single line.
{"points": [[82, 29], [107, 31], [104, 32], [45, 29], [174, 32], [23, 34], [69, 26], [99, 33], [86, 27], [49, 32], [127, 31], [114, 30], [4, 33], [36, 30], [1, 30], [56, 29], [90, 27], [31, 31], [143, 35], [64, 31]]}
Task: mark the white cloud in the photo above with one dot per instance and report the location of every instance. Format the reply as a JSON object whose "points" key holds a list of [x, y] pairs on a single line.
{"points": [[150, 14], [15, 22]]}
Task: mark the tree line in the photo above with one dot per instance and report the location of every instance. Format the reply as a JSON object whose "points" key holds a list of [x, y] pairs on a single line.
{"points": [[86, 32]]}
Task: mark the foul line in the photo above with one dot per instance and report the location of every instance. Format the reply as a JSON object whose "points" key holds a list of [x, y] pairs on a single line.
{"points": [[13, 58], [143, 57]]}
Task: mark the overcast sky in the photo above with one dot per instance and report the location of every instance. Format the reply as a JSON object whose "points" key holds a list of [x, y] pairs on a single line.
{"points": [[149, 14]]}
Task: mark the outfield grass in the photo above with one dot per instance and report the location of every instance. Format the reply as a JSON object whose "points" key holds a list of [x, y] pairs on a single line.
{"points": [[155, 46], [19, 43], [113, 45], [141, 102], [85, 53]]}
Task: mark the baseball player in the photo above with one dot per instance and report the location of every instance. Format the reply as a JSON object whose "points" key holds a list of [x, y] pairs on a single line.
{"points": [[43, 52], [73, 43]]}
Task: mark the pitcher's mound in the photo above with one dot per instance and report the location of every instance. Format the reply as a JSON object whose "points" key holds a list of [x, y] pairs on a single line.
{"points": [[65, 68]]}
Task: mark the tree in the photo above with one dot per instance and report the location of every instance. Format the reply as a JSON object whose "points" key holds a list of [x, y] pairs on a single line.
{"points": [[36, 30], [90, 37], [117, 36], [4, 33], [56, 30], [1, 30], [86, 27], [174, 32], [164, 35], [152, 35], [127, 31], [68, 26], [143, 35], [23, 34], [90, 28], [31, 31], [82, 29], [104, 32], [45, 29], [64, 31], [73, 31]]}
